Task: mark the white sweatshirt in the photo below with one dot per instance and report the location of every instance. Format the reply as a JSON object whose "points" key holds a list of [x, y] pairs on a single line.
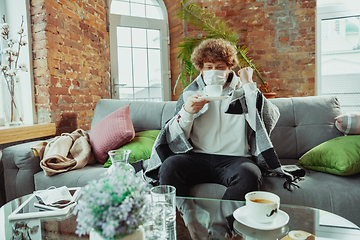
{"points": [[216, 132]]}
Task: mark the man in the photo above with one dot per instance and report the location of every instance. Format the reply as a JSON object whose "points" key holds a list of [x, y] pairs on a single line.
{"points": [[225, 141]]}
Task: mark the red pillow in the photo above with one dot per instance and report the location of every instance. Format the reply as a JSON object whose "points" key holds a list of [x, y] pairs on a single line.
{"points": [[111, 132]]}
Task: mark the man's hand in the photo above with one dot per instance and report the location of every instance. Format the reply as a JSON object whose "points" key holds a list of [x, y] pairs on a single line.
{"points": [[246, 75], [194, 104]]}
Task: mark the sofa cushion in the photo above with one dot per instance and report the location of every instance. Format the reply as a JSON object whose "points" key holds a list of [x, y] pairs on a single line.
{"points": [[348, 123], [111, 132], [304, 123], [144, 115], [20, 165], [333, 193], [340, 156], [75, 178], [140, 146]]}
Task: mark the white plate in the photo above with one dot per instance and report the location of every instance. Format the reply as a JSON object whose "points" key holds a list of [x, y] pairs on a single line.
{"points": [[217, 98], [251, 233], [241, 215]]}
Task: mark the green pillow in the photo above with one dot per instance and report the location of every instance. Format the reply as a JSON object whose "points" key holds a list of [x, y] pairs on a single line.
{"points": [[140, 146], [340, 156]]}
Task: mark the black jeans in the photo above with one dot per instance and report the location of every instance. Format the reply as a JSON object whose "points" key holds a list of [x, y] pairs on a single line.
{"points": [[239, 174]]}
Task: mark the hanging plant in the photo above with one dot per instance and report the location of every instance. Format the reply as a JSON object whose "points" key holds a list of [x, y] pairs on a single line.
{"points": [[213, 27]]}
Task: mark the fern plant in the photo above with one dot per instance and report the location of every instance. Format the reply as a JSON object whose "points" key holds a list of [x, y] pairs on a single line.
{"points": [[214, 28]]}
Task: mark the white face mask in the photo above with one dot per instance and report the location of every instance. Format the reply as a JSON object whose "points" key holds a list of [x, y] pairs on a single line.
{"points": [[214, 77]]}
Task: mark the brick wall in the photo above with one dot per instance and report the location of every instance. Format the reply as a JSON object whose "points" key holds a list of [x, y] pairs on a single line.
{"points": [[72, 56], [176, 32], [280, 35], [71, 60]]}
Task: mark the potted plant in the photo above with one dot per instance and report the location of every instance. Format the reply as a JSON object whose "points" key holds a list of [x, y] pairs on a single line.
{"points": [[113, 207], [213, 27], [9, 68]]}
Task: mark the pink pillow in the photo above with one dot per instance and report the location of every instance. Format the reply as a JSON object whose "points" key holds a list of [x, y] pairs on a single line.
{"points": [[348, 123], [111, 132]]}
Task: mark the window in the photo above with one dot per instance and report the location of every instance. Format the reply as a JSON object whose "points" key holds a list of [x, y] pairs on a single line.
{"points": [[139, 50], [338, 54], [14, 10], [138, 8]]}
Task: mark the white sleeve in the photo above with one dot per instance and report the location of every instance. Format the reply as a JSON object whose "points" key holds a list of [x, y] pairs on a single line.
{"points": [[185, 120]]}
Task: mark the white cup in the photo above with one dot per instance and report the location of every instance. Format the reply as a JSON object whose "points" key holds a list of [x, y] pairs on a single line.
{"points": [[213, 90], [262, 207]]}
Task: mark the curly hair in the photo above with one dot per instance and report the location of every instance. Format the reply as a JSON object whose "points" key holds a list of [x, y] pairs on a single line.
{"points": [[214, 50]]}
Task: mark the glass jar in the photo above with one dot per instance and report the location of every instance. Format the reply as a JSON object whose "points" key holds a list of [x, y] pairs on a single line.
{"points": [[120, 159]]}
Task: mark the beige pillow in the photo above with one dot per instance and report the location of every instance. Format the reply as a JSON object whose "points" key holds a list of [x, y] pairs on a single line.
{"points": [[348, 123]]}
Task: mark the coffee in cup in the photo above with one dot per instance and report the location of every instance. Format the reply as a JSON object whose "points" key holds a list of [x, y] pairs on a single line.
{"points": [[260, 200], [262, 207], [213, 90]]}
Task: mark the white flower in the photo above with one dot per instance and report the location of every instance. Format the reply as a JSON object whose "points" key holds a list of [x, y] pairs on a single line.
{"points": [[23, 67], [11, 54], [110, 206], [7, 51], [12, 72], [4, 29], [14, 53], [22, 43], [10, 42], [4, 68], [5, 26], [20, 30]]}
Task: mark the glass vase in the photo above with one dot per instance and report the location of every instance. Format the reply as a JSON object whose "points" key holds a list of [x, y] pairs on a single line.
{"points": [[120, 159], [12, 105]]}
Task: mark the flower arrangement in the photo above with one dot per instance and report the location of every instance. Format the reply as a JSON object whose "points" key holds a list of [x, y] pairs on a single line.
{"points": [[10, 66], [114, 206]]}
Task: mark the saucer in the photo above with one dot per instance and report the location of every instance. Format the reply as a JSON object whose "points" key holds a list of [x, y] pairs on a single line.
{"points": [[252, 233], [241, 215], [213, 98]]}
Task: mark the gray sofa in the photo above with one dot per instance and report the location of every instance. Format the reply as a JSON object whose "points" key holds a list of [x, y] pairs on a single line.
{"points": [[304, 123]]}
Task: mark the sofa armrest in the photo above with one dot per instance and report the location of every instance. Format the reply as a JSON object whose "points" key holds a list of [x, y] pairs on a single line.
{"points": [[20, 165]]}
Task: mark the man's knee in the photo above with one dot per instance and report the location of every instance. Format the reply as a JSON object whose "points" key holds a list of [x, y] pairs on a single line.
{"points": [[248, 172], [170, 164], [170, 168], [252, 170]]}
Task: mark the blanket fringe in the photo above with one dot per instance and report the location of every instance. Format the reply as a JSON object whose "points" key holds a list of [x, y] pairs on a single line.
{"points": [[292, 182]]}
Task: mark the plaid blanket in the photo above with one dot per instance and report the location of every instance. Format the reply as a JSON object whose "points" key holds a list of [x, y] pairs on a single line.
{"points": [[261, 122]]}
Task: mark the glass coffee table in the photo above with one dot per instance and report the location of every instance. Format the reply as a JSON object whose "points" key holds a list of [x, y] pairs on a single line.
{"points": [[218, 214], [213, 214]]}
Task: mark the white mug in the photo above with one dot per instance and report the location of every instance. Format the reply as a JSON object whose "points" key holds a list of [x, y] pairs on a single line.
{"points": [[262, 207], [213, 90]]}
